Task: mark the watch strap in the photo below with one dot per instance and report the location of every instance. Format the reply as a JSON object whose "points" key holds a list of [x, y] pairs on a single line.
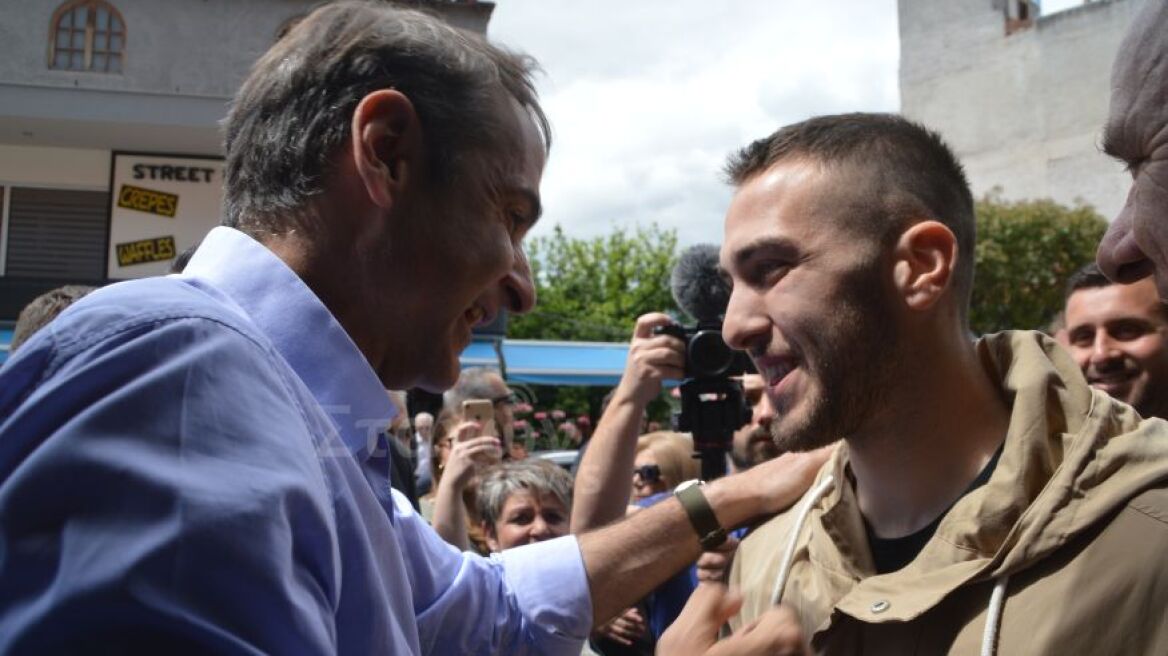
{"points": [[701, 516]]}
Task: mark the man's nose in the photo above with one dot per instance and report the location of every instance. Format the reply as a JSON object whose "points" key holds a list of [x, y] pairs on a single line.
{"points": [[518, 286], [1104, 347], [764, 412], [1119, 257], [746, 324]]}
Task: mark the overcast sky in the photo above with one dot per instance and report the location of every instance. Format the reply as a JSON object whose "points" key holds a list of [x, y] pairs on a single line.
{"points": [[648, 97]]}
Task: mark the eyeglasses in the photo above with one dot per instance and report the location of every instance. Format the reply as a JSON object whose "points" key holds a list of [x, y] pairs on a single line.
{"points": [[509, 398], [648, 473]]}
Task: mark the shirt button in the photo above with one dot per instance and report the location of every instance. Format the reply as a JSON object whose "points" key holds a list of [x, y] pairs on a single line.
{"points": [[880, 606]]}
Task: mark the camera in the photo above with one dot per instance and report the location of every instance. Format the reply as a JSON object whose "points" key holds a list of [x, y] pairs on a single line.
{"points": [[706, 353], [712, 403]]}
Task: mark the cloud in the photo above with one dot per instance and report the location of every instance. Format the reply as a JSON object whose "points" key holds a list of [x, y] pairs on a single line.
{"points": [[647, 98]]}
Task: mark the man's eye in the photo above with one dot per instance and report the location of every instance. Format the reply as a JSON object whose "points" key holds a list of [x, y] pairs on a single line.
{"points": [[772, 272], [1128, 331]]}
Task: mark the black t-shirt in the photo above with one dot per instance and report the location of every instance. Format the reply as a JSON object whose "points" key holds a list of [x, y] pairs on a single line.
{"points": [[892, 554]]}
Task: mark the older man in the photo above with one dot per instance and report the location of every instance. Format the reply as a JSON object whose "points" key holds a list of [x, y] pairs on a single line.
{"points": [[485, 384], [423, 436], [186, 462], [978, 483], [1118, 335]]}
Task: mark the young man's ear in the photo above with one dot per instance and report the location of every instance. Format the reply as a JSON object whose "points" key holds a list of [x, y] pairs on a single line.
{"points": [[385, 144], [924, 261]]}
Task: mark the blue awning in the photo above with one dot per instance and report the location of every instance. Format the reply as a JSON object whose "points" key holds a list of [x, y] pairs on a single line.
{"points": [[552, 363], [5, 340]]}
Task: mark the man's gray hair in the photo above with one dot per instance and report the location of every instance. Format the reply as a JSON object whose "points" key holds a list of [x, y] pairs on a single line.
{"points": [[293, 112], [473, 384], [536, 475]]}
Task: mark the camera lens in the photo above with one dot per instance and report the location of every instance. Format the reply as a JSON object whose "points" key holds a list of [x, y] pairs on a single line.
{"points": [[708, 354]]}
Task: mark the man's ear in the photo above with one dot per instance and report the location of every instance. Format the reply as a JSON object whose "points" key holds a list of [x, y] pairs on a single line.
{"points": [[385, 144], [924, 261]]}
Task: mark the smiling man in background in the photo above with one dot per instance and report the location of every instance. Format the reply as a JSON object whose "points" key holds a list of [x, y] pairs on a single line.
{"points": [[1118, 335]]}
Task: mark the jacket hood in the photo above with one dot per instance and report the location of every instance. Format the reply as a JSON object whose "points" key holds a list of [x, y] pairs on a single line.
{"points": [[1072, 457]]}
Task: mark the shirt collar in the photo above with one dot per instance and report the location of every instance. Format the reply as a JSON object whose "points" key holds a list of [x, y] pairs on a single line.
{"points": [[302, 329]]}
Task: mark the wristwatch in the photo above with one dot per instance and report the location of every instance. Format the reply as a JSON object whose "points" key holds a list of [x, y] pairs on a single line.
{"points": [[701, 515]]}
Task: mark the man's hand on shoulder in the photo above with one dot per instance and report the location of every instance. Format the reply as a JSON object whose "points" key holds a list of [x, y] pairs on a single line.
{"points": [[780, 482], [695, 632]]}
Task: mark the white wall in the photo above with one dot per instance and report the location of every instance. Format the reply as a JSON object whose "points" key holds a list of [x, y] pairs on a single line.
{"points": [[65, 168], [1024, 112]]}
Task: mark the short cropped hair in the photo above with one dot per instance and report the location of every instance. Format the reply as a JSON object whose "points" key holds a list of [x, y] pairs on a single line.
{"points": [[473, 384], [1090, 276], [42, 310], [293, 112], [918, 176], [535, 475]]}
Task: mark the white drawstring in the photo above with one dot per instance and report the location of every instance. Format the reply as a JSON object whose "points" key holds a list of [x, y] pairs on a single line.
{"points": [[788, 556], [989, 638], [989, 642]]}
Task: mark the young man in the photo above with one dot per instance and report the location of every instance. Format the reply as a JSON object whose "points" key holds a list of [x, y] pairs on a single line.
{"points": [[984, 496], [1118, 335], [190, 463]]}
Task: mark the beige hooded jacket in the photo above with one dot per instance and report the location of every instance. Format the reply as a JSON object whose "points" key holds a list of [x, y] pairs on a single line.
{"points": [[1063, 551]]}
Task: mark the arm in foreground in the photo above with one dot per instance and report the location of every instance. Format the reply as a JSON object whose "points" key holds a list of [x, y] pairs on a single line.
{"points": [[628, 559]]}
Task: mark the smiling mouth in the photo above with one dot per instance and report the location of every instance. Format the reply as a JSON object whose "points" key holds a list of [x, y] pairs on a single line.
{"points": [[775, 369]]}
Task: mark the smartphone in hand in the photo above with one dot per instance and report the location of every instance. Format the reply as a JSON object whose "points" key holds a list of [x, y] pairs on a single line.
{"points": [[483, 412]]}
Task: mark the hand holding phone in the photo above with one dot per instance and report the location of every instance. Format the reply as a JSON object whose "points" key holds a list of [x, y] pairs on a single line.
{"points": [[481, 411]]}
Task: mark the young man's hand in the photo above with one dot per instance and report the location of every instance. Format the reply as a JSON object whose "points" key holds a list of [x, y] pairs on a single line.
{"points": [[695, 631]]}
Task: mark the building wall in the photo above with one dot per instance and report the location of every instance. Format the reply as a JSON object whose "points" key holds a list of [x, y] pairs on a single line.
{"points": [[1024, 111], [184, 59]]}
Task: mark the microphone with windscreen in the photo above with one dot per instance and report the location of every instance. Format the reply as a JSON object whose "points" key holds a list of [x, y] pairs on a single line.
{"points": [[712, 403], [702, 292]]}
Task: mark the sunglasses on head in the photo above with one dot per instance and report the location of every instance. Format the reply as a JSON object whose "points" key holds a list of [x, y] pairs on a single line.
{"points": [[648, 473], [508, 398]]}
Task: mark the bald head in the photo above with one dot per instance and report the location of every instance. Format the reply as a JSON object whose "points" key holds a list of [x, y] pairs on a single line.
{"points": [[1136, 244]]}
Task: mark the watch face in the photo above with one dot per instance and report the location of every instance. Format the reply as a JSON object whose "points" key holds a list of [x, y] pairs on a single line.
{"points": [[687, 484]]}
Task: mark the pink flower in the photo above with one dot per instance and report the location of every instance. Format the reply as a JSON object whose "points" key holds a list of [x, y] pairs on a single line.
{"points": [[558, 415], [583, 420], [541, 416], [520, 424]]}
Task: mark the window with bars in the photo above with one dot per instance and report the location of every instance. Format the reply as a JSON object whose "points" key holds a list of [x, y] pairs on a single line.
{"points": [[87, 35]]}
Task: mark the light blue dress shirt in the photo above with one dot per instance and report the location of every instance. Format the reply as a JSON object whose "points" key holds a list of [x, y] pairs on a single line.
{"points": [[185, 467]]}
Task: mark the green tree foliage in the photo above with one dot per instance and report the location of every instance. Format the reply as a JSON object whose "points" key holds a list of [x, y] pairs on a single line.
{"points": [[1025, 252], [594, 289]]}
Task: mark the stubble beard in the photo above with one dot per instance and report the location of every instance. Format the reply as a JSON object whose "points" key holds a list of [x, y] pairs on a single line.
{"points": [[854, 360]]}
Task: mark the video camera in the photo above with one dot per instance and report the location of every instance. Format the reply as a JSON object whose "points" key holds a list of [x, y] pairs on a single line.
{"points": [[713, 406], [706, 353]]}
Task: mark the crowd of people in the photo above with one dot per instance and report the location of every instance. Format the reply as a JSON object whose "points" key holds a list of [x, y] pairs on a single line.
{"points": [[210, 462]]}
